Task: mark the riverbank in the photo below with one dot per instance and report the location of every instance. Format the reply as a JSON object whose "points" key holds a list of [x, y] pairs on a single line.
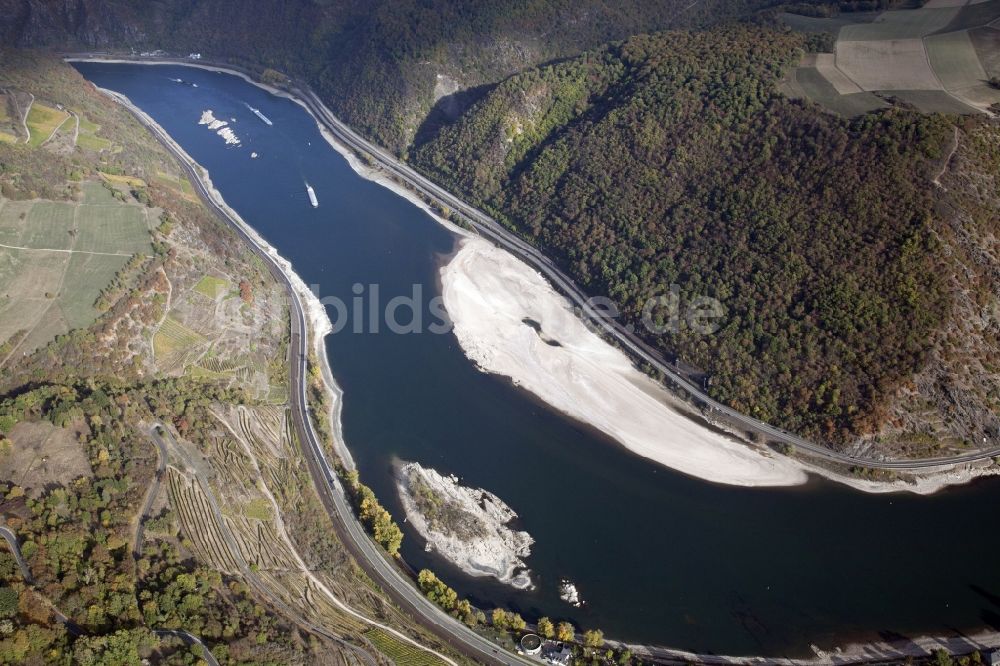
{"points": [[511, 322], [925, 480], [490, 296], [318, 321]]}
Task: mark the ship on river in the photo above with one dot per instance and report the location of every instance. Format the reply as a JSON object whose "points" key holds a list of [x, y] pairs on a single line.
{"points": [[312, 196], [260, 115]]}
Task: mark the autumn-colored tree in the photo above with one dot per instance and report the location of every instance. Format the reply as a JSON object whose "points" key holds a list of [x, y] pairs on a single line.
{"points": [[565, 631], [593, 638], [246, 292]]}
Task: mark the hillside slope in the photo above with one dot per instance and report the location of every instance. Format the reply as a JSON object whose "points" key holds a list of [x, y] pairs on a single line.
{"points": [[380, 65], [670, 159]]}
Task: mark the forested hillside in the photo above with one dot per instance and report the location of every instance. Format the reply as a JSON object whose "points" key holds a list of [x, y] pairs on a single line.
{"points": [[382, 64], [670, 159]]}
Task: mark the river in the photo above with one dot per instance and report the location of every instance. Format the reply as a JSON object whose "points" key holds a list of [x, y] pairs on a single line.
{"points": [[659, 557]]}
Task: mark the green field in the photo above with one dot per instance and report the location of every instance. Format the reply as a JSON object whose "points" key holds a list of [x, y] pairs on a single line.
{"points": [[51, 287], [809, 83], [48, 226], [90, 274], [95, 193], [933, 101], [986, 41], [402, 654], [831, 25], [212, 287], [115, 229], [88, 138], [901, 24], [955, 61], [971, 16], [11, 222], [43, 121]]}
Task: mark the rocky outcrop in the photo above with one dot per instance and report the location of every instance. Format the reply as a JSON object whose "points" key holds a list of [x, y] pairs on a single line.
{"points": [[467, 526]]}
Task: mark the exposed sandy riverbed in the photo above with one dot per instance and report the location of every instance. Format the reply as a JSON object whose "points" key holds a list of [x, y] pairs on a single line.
{"points": [[488, 294], [742, 465]]}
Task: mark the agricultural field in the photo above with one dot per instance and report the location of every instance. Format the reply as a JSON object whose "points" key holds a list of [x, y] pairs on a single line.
{"points": [[809, 83], [986, 41], [56, 258], [938, 59], [887, 64], [212, 287], [29, 282], [43, 121], [175, 345], [402, 654], [90, 274], [113, 229], [88, 138]]}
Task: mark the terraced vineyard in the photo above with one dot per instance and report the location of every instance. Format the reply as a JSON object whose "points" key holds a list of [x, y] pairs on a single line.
{"points": [[401, 653], [175, 345]]}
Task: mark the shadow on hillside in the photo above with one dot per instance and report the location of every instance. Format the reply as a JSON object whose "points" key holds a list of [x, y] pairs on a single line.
{"points": [[447, 110]]}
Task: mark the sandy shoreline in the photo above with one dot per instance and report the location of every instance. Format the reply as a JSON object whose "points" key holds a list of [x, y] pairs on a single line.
{"points": [[489, 293], [741, 464]]}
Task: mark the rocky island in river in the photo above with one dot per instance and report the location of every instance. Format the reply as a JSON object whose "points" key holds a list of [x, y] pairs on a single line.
{"points": [[467, 526]]}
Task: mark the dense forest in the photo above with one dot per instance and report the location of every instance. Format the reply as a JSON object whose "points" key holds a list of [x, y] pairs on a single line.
{"points": [[380, 65], [669, 159]]}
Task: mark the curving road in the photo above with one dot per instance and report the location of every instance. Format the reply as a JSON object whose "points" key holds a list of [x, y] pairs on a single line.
{"points": [[622, 334], [611, 328], [11, 540], [161, 467], [371, 556]]}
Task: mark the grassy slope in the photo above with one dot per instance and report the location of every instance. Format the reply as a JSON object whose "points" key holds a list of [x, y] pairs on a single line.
{"points": [[671, 159]]}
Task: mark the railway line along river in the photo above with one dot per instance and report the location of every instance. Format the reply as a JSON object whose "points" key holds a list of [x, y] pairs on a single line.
{"points": [[659, 557]]}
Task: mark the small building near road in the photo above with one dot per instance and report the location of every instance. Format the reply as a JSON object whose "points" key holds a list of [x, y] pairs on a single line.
{"points": [[557, 653]]}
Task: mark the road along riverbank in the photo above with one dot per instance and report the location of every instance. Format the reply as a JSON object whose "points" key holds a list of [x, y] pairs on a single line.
{"points": [[309, 325], [923, 476], [695, 498]]}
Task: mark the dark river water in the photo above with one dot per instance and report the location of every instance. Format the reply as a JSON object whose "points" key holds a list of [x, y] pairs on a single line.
{"points": [[659, 557]]}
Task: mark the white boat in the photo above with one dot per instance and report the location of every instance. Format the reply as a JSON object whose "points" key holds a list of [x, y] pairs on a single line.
{"points": [[312, 196], [256, 112]]}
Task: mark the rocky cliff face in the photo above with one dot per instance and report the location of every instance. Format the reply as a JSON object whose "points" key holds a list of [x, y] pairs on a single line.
{"points": [[70, 24]]}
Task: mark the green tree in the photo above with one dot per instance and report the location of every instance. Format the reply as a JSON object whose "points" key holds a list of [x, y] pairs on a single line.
{"points": [[545, 628], [8, 602]]}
